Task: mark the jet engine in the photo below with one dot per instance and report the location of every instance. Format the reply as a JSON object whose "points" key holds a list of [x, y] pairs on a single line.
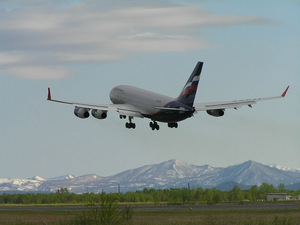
{"points": [[81, 112], [216, 112], [99, 114]]}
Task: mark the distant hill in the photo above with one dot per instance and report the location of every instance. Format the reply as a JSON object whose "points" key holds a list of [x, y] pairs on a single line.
{"points": [[294, 187], [169, 174], [227, 186]]}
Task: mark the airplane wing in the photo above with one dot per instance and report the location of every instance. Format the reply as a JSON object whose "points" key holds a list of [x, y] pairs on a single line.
{"points": [[122, 109], [233, 104]]}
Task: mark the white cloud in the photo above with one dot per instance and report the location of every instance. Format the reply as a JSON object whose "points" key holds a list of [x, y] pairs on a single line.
{"points": [[9, 58], [50, 35], [39, 72]]}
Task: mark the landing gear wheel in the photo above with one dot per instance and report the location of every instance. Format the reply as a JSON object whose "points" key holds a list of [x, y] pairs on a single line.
{"points": [[154, 125], [130, 124], [173, 125]]}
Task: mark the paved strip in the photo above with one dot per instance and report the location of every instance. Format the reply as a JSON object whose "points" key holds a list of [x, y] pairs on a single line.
{"points": [[162, 208]]}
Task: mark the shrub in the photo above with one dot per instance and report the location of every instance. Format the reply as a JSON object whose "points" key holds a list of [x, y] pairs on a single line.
{"points": [[106, 212]]}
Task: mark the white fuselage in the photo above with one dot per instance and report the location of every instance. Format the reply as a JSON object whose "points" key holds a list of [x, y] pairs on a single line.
{"points": [[142, 99]]}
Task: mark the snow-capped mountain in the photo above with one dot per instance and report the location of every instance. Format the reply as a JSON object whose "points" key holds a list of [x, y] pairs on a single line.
{"points": [[37, 178], [284, 168], [169, 174], [12, 184], [63, 177]]}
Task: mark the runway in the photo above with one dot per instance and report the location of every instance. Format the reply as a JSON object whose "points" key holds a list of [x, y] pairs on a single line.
{"points": [[247, 206]]}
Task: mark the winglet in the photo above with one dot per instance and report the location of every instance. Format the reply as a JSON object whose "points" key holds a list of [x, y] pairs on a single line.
{"points": [[284, 93], [49, 95]]}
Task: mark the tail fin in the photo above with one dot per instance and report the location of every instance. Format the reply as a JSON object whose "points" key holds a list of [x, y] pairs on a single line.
{"points": [[188, 93]]}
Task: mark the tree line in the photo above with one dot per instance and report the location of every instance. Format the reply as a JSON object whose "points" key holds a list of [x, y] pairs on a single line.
{"points": [[169, 196]]}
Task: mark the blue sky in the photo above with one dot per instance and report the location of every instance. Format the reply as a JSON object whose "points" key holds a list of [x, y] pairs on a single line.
{"points": [[82, 49]]}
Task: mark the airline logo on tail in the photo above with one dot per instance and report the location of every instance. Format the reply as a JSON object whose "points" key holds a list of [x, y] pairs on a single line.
{"points": [[187, 96]]}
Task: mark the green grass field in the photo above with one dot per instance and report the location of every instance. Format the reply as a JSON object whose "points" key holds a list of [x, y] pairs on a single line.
{"points": [[182, 217]]}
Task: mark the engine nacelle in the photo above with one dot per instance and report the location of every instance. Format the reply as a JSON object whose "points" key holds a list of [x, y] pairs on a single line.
{"points": [[82, 113], [99, 114], [216, 112]]}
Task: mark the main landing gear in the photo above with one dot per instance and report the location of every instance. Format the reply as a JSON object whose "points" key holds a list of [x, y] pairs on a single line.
{"points": [[173, 125], [130, 124], [154, 125]]}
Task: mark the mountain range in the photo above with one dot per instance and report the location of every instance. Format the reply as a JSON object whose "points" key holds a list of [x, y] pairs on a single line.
{"points": [[169, 174]]}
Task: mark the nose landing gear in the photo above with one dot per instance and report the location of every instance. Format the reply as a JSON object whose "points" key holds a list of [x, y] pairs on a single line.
{"points": [[130, 124]]}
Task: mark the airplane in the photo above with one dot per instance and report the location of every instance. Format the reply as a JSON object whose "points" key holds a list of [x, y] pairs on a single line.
{"points": [[132, 102]]}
